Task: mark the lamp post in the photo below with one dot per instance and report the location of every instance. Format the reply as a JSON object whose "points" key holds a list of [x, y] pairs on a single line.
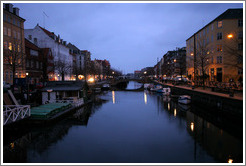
{"points": [[27, 86]]}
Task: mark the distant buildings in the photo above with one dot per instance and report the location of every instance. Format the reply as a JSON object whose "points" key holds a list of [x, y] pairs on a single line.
{"points": [[13, 44], [216, 50]]}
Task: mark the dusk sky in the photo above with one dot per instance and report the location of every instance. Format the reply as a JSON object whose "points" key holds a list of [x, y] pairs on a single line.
{"points": [[130, 35]]}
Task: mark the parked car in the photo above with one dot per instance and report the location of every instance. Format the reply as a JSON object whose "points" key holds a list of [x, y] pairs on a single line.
{"points": [[180, 80], [6, 85]]}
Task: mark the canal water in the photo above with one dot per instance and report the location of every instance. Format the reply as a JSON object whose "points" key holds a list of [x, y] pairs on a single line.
{"points": [[127, 127]]}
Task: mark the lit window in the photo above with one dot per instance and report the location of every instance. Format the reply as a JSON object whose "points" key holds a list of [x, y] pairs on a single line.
{"points": [[219, 48], [219, 24], [219, 36], [10, 46], [240, 22], [9, 32], [19, 48]]}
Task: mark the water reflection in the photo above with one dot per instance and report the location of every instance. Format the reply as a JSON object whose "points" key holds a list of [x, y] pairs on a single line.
{"points": [[113, 97], [145, 97], [128, 130]]}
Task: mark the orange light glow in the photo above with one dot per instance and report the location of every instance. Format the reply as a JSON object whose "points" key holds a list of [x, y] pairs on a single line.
{"points": [[230, 161], [229, 36]]}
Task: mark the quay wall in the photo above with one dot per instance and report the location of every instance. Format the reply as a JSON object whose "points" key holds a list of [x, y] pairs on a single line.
{"points": [[227, 105]]}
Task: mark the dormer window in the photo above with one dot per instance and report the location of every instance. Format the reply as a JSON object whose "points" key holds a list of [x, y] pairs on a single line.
{"points": [[30, 37]]}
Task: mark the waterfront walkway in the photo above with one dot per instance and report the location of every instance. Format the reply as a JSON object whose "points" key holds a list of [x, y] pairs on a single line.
{"points": [[238, 95]]}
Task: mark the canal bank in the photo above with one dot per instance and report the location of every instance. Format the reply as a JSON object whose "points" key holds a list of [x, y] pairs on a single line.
{"points": [[227, 106]]}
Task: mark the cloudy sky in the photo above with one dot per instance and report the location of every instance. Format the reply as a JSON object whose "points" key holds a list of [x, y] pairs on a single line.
{"points": [[130, 35]]}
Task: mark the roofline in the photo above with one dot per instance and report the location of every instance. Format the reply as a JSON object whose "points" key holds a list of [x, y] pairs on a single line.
{"points": [[217, 18], [15, 15]]}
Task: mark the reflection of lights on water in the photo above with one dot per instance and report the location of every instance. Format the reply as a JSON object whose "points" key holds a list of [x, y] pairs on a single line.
{"points": [[12, 145], [113, 97], [145, 97], [230, 161], [175, 112], [192, 126], [168, 106]]}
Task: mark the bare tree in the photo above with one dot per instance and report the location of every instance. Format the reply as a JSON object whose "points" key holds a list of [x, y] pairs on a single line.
{"points": [[202, 57], [233, 49], [14, 57], [62, 68]]}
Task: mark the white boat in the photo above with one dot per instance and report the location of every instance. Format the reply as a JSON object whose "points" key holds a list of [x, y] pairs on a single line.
{"points": [[156, 88], [165, 91], [105, 87], [184, 99]]}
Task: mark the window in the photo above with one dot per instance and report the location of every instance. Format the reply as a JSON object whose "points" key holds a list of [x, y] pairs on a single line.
{"points": [[7, 75], [5, 45], [19, 48], [35, 41], [5, 31], [32, 64], [219, 48], [240, 46], [41, 65], [219, 59], [37, 64], [13, 21], [240, 34], [14, 33], [30, 37], [18, 23], [219, 24], [207, 30], [33, 53], [27, 63], [212, 26], [4, 17], [19, 74], [9, 19], [219, 36], [10, 46], [240, 22], [18, 35], [9, 32], [240, 71], [212, 38], [212, 59]]}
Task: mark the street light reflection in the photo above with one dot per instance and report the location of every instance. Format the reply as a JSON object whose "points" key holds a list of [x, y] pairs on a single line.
{"points": [[168, 106], [192, 126], [230, 161], [113, 97], [175, 112], [145, 97]]}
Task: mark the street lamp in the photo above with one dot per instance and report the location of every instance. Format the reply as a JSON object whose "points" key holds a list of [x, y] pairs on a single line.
{"points": [[229, 36], [27, 86]]}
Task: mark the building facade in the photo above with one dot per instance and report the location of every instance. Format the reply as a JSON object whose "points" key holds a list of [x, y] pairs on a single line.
{"points": [[216, 50], [63, 61], [13, 44]]}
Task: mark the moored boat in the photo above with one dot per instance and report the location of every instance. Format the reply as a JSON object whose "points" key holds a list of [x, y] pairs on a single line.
{"points": [[105, 87], [184, 99]]}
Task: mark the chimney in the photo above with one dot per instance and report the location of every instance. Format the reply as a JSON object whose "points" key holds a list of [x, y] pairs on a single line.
{"points": [[9, 7], [16, 11]]}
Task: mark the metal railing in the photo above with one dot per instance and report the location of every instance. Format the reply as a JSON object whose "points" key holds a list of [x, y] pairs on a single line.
{"points": [[12, 113]]}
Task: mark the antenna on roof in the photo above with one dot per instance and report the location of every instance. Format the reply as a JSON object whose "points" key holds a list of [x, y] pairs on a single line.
{"points": [[44, 14]]}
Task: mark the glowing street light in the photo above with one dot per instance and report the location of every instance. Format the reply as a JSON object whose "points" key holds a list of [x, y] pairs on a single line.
{"points": [[229, 36]]}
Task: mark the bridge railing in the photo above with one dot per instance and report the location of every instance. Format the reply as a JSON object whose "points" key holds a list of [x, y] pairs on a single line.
{"points": [[12, 113]]}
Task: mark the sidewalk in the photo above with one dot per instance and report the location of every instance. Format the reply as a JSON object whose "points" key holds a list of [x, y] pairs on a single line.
{"points": [[237, 95]]}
